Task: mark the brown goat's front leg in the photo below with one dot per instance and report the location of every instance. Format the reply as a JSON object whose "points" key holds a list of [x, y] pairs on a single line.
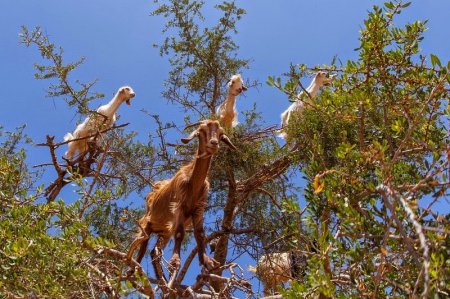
{"points": [[134, 245], [141, 241], [175, 261], [156, 255], [142, 250], [199, 234]]}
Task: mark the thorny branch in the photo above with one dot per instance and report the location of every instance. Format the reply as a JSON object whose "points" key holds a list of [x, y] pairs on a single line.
{"points": [[81, 165], [211, 237], [235, 281], [388, 191]]}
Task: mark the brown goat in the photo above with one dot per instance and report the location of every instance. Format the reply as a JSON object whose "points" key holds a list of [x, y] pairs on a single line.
{"points": [[175, 203]]}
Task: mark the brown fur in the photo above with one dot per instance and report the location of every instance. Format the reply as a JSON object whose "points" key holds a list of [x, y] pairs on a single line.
{"points": [[175, 203]]}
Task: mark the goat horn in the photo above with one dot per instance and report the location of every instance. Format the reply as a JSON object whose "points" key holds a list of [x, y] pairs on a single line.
{"points": [[228, 142]]}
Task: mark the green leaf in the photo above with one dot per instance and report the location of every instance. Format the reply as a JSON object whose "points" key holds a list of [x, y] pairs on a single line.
{"points": [[435, 60], [406, 4], [389, 5], [128, 284], [333, 61]]}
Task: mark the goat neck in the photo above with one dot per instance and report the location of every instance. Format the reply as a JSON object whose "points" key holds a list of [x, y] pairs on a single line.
{"points": [[111, 108], [201, 165], [313, 88], [230, 101]]}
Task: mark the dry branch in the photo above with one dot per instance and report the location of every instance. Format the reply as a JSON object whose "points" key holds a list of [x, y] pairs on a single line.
{"points": [[81, 166]]}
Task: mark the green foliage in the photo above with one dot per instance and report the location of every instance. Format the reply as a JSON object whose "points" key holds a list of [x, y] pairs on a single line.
{"points": [[59, 71], [47, 248], [380, 124], [202, 58], [34, 262], [15, 178]]}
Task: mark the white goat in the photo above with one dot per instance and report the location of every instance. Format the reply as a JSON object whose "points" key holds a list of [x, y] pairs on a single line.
{"points": [[319, 80], [275, 269], [227, 112], [104, 118]]}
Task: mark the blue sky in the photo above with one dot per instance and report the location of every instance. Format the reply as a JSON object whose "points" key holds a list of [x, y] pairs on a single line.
{"points": [[116, 37]]}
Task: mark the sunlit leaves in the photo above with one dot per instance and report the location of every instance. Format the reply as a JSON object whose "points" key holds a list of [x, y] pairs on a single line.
{"points": [[435, 60], [318, 184], [379, 123]]}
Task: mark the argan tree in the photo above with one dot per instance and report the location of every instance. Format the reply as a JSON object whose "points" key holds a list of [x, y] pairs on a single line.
{"points": [[372, 149], [375, 154]]}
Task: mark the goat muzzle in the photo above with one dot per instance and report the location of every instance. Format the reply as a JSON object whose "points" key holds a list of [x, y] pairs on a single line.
{"points": [[214, 142], [212, 148], [128, 101]]}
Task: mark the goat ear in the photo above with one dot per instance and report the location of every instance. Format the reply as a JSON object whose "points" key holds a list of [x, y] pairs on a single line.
{"points": [[192, 136], [227, 141]]}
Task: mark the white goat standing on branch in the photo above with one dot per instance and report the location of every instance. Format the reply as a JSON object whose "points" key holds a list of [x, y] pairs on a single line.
{"points": [[275, 269], [320, 79], [227, 112], [104, 118], [175, 203]]}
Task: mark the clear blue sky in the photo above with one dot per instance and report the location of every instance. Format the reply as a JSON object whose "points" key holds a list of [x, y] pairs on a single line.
{"points": [[116, 37]]}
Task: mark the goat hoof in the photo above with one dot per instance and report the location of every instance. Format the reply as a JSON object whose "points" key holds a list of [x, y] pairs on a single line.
{"points": [[210, 263], [174, 264]]}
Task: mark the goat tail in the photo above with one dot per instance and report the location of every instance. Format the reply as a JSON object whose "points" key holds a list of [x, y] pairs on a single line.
{"points": [[251, 269], [68, 137]]}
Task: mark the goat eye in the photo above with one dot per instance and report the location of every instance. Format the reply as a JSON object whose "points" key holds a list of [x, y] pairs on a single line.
{"points": [[127, 89]]}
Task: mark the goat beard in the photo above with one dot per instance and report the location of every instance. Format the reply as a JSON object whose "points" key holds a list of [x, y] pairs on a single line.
{"points": [[128, 102]]}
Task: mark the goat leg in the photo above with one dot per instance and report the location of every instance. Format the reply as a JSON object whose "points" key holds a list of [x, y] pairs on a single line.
{"points": [[156, 255], [134, 245], [142, 250], [199, 234], [175, 262]]}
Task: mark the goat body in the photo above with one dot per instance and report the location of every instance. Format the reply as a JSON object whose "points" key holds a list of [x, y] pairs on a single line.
{"points": [[227, 112], [104, 118], [312, 90], [275, 269], [175, 203]]}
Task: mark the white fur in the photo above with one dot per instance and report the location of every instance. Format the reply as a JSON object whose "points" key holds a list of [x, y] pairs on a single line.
{"points": [[319, 80], [273, 270], [103, 119], [277, 268], [227, 112]]}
